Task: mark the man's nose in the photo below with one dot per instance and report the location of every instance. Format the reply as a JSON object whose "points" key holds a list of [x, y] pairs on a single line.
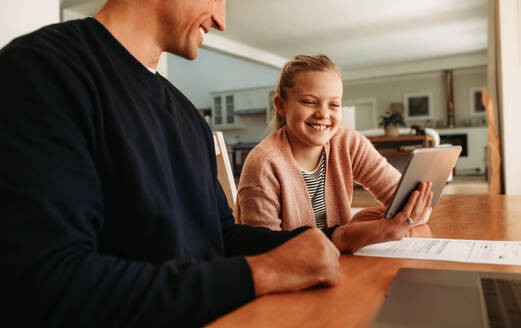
{"points": [[219, 16]]}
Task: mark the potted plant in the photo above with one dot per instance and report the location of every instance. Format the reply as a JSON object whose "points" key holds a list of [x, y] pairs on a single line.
{"points": [[390, 122]]}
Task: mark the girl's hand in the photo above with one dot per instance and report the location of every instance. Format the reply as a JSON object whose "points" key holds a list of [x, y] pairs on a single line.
{"points": [[419, 206], [369, 225]]}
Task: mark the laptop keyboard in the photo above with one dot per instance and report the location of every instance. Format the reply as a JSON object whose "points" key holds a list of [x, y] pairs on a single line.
{"points": [[503, 300]]}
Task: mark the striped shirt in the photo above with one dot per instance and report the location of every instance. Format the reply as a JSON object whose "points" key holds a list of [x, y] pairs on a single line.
{"points": [[315, 182]]}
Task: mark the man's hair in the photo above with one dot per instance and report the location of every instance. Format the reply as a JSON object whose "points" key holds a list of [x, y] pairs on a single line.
{"points": [[299, 64]]}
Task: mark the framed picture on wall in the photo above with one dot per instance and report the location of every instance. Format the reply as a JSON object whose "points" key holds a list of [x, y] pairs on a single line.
{"points": [[418, 106], [476, 104]]}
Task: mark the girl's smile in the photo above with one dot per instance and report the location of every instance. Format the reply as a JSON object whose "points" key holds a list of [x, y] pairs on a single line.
{"points": [[312, 109]]}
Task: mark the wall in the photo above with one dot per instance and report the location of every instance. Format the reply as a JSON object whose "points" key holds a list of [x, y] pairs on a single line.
{"points": [[212, 71], [18, 17], [392, 89], [76, 9], [510, 45], [254, 129], [464, 81]]}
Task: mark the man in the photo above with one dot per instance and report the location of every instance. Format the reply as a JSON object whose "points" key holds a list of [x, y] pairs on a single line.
{"points": [[111, 210]]}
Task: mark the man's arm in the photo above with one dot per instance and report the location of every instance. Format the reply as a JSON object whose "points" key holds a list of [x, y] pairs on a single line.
{"points": [[51, 198], [280, 260]]}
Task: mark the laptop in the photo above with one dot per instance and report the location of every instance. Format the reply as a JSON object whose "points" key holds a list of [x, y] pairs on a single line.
{"points": [[424, 164], [448, 298]]}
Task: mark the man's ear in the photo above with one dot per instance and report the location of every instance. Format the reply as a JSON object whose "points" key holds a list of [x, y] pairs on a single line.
{"points": [[280, 105]]}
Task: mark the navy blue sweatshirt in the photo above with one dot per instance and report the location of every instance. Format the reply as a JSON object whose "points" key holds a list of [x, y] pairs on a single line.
{"points": [[111, 213]]}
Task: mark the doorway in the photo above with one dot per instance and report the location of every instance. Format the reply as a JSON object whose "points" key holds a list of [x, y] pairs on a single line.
{"points": [[365, 113]]}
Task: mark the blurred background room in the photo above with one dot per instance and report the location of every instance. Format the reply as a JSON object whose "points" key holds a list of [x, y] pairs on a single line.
{"points": [[425, 59]]}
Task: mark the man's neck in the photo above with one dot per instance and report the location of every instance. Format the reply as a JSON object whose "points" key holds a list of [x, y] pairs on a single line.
{"points": [[134, 28]]}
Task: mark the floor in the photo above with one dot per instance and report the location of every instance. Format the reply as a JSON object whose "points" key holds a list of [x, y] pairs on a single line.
{"points": [[474, 185]]}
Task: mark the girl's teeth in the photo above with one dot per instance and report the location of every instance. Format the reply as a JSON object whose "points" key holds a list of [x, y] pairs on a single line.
{"points": [[319, 127]]}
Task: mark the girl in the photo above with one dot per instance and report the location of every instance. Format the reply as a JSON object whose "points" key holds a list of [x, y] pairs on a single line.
{"points": [[303, 173]]}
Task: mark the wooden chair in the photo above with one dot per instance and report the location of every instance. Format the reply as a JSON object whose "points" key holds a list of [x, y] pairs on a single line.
{"points": [[224, 169], [493, 156]]}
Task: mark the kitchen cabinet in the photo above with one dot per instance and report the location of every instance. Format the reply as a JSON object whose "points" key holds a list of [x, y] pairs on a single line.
{"points": [[223, 110], [229, 106]]}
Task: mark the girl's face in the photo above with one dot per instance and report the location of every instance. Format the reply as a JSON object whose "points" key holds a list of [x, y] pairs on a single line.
{"points": [[312, 108]]}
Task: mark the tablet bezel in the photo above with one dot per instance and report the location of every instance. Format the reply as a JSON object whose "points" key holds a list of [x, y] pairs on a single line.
{"points": [[446, 158]]}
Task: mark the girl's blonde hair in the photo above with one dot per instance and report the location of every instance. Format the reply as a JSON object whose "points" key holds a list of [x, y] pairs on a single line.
{"points": [[299, 64]]}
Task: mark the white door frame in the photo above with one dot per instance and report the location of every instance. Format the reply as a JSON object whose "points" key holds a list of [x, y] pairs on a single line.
{"points": [[360, 101]]}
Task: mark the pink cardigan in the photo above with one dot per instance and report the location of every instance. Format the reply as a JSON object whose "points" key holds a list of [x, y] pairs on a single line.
{"points": [[272, 192]]}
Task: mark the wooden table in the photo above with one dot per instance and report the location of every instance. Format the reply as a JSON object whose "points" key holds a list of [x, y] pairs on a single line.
{"points": [[364, 281]]}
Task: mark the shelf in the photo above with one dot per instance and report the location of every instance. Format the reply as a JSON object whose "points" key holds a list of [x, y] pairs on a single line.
{"points": [[461, 127], [251, 111], [400, 145], [403, 138], [396, 152]]}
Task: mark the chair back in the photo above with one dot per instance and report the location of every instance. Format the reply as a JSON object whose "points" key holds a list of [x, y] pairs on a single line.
{"points": [[224, 169]]}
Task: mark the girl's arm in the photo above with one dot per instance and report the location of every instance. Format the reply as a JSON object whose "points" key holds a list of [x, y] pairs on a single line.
{"points": [[371, 170], [258, 206]]}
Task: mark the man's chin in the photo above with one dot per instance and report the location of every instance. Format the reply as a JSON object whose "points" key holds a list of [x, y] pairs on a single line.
{"points": [[189, 55], [192, 56]]}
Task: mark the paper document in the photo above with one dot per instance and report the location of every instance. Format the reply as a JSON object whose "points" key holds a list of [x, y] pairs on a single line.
{"points": [[459, 250]]}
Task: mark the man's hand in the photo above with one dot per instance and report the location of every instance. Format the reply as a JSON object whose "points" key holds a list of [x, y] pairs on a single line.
{"points": [[302, 262], [369, 225], [370, 214]]}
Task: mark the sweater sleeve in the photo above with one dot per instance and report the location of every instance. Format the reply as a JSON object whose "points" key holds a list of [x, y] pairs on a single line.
{"points": [[53, 273], [257, 207], [371, 169], [258, 203], [244, 239]]}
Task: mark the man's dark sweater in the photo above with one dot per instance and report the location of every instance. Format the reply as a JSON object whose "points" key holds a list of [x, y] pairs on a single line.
{"points": [[111, 211]]}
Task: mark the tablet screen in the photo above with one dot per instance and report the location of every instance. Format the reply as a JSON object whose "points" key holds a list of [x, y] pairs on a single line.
{"points": [[424, 165]]}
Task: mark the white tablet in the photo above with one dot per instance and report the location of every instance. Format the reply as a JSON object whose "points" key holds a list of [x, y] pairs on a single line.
{"points": [[424, 165]]}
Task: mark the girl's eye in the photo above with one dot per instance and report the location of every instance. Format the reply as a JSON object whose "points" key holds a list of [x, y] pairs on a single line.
{"points": [[335, 105], [308, 102]]}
